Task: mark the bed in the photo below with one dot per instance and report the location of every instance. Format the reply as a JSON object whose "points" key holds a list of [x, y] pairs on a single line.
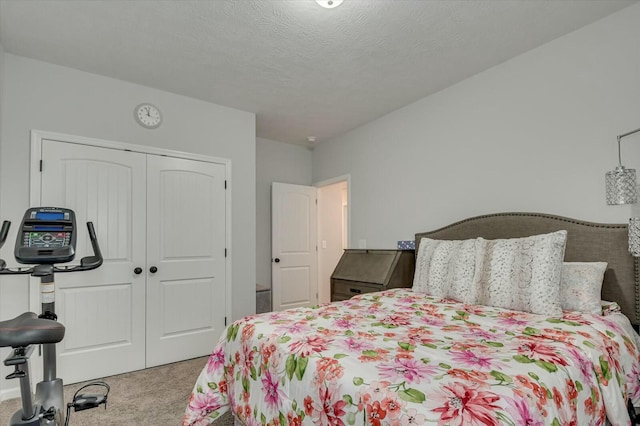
{"points": [[403, 356]]}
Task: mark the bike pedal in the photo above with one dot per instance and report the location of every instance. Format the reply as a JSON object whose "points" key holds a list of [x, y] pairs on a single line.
{"points": [[50, 414], [86, 402]]}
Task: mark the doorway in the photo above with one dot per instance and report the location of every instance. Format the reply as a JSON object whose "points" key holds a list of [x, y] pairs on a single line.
{"points": [[333, 230], [329, 216]]}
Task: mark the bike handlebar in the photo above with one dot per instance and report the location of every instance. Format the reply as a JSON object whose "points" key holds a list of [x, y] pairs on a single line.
{"points": [[90, 262], [86, 263], [4, 232]]}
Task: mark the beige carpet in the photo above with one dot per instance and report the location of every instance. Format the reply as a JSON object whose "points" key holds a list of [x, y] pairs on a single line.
{"points": [[155, 396]]}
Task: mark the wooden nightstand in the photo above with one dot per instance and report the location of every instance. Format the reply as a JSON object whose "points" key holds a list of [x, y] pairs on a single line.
{"points": [[366, 271]]}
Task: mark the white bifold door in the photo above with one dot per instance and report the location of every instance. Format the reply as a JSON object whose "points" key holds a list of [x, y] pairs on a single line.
{"points": [[186, 243], [159, 296]]}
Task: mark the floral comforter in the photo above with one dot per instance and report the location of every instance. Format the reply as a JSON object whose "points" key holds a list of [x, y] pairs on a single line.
{"points": [[402, 358]]}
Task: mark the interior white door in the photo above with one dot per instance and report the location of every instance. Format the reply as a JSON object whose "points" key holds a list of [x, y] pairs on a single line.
{"points": [[102, 310], [294, 248], [186, 244]]}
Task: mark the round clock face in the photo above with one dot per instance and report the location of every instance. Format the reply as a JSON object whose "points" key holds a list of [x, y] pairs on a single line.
{"points": [[148, 116]]}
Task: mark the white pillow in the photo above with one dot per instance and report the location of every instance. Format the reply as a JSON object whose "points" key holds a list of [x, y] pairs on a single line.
{"points": [[447, 268], [523, 274], [580, 286]]}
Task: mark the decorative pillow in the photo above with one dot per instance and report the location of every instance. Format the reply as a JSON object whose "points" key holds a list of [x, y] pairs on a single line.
{"points": [[580, 286], [523, 274], [447, 269]]}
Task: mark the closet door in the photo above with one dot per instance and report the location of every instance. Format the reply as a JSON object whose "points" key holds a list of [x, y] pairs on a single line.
{"points": [[103, 310], [185, 258]]}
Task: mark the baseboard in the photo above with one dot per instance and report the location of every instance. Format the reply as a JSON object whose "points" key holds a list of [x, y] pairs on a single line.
{"points": [[11, 393]]}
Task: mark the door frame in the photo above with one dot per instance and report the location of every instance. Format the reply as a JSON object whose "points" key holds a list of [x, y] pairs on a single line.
{"points": [[37, 136], [343, 178], [332, 181]]}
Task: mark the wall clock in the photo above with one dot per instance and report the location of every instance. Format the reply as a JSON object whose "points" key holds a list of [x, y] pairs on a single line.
{"points": [[148, 116]]}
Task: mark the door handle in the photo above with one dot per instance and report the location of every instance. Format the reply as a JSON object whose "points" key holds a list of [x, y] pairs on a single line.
{"points": [[137, 270], [153, 269], [277, 260]]}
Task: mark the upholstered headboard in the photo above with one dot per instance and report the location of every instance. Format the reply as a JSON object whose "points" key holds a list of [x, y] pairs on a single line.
{"points": [[586, 242]]}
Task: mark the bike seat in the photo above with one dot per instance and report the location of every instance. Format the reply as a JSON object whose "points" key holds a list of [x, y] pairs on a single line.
{"points": [[27, 329]]}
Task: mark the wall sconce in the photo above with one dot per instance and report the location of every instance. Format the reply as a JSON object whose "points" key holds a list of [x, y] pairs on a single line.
{"points": [[621, 182], [621, 189]]}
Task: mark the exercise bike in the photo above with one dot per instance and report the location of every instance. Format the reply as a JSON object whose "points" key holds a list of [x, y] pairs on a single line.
{"points": [[47, 236]]}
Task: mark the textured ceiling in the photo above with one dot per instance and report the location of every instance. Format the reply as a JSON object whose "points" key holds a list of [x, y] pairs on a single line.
{"points": [[302, 69]]}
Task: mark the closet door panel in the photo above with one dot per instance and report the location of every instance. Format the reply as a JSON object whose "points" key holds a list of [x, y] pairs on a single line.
{"points": [[103, 310], [186, 243]]}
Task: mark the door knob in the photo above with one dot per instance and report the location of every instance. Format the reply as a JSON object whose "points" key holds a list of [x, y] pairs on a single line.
{"points": [[153, 269], [276, 260], [137, 270]]}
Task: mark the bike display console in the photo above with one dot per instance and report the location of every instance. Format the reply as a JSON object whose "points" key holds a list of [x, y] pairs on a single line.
{"points": [[47, 235]]}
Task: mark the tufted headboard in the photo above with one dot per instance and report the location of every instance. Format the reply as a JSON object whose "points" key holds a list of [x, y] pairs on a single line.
{"points": [[586, 242]]}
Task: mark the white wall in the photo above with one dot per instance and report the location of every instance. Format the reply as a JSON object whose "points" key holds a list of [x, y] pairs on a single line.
{"points": [[536, 133], [47, 97], [275, 162]]}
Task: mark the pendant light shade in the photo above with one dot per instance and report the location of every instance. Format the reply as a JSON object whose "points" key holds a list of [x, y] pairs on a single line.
{"points": [[621, 186], [621, 182], [634, 236]]}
